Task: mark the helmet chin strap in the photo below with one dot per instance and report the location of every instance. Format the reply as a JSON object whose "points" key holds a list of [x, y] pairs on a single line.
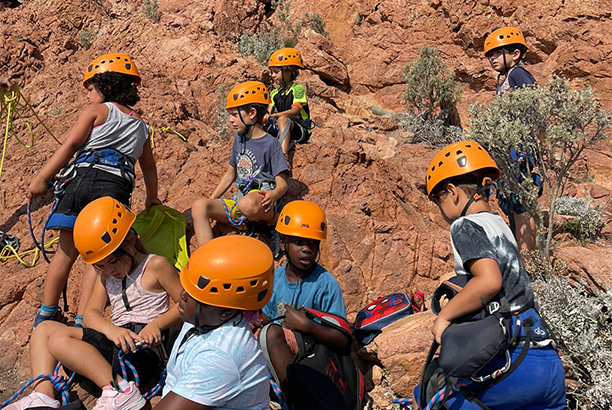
{"points": [[244, 123], [486, 184]]}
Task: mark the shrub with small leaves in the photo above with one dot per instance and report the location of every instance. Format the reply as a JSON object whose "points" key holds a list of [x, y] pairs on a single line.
{"points": [[220, 120], [151, 9], [589, 221], [85, 39], [261, 45], [313, 21], [432, 97]]}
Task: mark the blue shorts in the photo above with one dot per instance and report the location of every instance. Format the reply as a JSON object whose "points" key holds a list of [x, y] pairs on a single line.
{"points": [[537, 384]]}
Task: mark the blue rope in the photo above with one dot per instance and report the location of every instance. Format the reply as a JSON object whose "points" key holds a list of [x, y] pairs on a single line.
{"points": [[60, 384], [125, 364], [278, 393], [404, 404], [246, 184], [58, 192]]}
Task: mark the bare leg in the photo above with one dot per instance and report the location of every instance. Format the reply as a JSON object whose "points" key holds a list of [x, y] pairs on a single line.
{"points": [[87, 285], [280, 352], [284, 122], [250, 206], [67, 346], [41, 360], [525, 231], [201, 211], [59, 268]]}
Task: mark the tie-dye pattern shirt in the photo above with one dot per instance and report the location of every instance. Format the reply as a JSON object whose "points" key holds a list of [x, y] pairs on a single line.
{"points": [[486, 235]]}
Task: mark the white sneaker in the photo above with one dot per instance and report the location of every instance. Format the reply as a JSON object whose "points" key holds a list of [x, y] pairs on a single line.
{"points": [[112, 399], [31, 400]]}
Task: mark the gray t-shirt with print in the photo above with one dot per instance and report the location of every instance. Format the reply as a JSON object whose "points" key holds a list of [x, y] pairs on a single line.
{"points": [[260, 158]]}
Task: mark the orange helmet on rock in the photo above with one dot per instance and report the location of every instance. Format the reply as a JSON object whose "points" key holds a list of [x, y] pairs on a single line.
{"points": [[504, 36], [250, 92], [114, 62], [100, 228], [302, 219], [235, 272], [458, 159], [286, 57]]}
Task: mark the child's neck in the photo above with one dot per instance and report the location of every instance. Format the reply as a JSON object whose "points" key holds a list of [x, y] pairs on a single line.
{"points": [[295, 275], [477, 207], [255, 132]]}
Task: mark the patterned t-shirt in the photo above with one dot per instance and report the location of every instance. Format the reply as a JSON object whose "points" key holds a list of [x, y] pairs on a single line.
{"points": [[223, 369], [517, 77], [284, 100], [260, 158], [486, 235]]}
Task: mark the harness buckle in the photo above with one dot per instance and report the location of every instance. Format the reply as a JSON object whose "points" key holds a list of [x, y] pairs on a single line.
{"points": [[493, 307]]}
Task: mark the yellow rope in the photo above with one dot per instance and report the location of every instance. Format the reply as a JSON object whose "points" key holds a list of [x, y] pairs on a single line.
{"points": [[168, 130], [8, 252]]}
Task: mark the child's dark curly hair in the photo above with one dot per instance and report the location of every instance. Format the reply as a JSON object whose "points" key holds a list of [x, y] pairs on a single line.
{"points": [[116, 87]]}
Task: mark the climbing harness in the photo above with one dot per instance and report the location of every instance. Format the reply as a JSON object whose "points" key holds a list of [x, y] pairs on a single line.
{"points": [[13, 105], [244, 186], [41, 246], [60, 383], [8, 242]]}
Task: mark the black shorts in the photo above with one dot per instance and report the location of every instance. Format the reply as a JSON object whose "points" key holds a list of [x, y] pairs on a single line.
{"points": [[147, 362], [88, 185], [299, 132]]}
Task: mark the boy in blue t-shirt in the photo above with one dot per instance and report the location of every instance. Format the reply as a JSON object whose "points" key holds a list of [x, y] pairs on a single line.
{"points": [[505, 48], [301, 283]]}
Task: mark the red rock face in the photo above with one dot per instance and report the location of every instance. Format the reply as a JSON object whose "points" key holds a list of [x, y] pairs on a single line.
{"points": [[384, 236]]}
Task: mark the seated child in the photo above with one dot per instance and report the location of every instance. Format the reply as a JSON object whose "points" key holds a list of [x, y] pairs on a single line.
{"points": [[256, 165], [216, 362], [301, 283], [505, 48], [458, 181], [136, 284], [289, 99]]}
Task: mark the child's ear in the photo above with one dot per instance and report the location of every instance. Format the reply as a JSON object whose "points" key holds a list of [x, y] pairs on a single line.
{"points": [[516, 55]]}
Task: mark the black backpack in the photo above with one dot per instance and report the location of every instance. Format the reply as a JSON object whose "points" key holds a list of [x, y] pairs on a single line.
{"points": [[320, 377]]}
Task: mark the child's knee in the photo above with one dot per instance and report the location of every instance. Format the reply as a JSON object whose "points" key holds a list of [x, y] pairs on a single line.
{"points": [[250, 205], [61, 338], [200, 207]]}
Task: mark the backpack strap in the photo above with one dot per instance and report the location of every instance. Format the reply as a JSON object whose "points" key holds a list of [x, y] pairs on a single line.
{"points": [[263, 343]]}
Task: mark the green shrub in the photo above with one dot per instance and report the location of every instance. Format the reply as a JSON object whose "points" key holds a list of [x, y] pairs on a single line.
{"points": [[432, 97], [151, 9], [589, 221], [85, 39], [220, 120], [261, 45], [551, 123], [313, 21]]}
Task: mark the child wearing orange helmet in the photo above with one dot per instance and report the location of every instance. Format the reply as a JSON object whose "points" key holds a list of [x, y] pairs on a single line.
{"points": [[301, 283], [106, 140], [256, 165], [216, 361], [505, 47], [289, 104], [138, 286], [488, 260]]}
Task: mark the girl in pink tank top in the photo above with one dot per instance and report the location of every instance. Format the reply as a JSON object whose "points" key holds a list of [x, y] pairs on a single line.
{"points": [[138, 286]]}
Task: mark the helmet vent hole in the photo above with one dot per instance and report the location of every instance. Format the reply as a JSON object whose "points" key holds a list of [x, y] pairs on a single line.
{"points": [[239, 289], [119, 214], [106, 237], [214, 290], [262, 295], [265, 96], [468, 146], [459, 152], [428, 177], [128, 66], [114, 221], [433, 168], [114, 231], [322, 226], [203, 282], [447, 154], [480, 148], [254, 282], [103, 62], [227, 286], [287, 219], [111, 61], [440, 164]]}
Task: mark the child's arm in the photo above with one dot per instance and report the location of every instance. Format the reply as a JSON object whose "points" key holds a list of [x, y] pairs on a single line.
{"points": [[168, 280], [93, 318], [173, 401], [270, 197], [485, 284], [76, 138], [297, 320], [149, 174], [226, 181], [294, 111]]}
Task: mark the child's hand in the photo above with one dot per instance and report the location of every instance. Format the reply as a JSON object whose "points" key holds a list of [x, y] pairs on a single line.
{"points": [[268, 200], [266, 119], [151, 334], [37, 187], [296, 319], [150, 202], [439, 326], [123, 338]]}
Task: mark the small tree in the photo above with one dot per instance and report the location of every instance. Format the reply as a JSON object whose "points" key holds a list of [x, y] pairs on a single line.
{"points": [[432, 97], [551, 124]]}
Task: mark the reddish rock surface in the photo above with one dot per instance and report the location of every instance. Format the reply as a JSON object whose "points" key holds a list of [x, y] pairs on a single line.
{"points": [[384, 234]]}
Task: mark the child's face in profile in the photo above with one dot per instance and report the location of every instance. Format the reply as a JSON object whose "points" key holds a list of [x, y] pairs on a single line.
{"points": [[496, 58], [302, 252], [115, 266], [278, 75], [94, 95], [238, 123]]}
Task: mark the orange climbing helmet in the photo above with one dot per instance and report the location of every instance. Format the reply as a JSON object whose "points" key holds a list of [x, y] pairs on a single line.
{"points": [[286, 57], [458, 159], [116, 62], [504, 36], [302, 219], [235, 272], [250, 92], [100, 228]]}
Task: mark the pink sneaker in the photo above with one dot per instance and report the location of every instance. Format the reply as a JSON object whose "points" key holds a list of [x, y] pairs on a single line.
{"points": [[31, 400], [112, 399]]}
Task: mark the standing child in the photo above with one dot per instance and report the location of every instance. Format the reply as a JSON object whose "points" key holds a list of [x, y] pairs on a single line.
{"points": [[505, 48], [301, 283], [216, 362], [137, 286], [107, 138], [289, 99], [458, 180], [256, 165]]}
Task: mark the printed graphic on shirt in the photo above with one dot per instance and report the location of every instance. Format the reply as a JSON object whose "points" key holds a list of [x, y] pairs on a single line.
{"points": [[247, 165]]}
